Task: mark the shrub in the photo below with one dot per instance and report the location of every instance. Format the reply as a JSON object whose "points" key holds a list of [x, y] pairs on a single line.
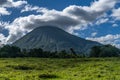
{"points": [[20, 67], [47, 76]]}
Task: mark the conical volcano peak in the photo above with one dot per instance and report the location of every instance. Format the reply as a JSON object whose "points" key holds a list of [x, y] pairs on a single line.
{"points": [[51, 38], [48, 29]]}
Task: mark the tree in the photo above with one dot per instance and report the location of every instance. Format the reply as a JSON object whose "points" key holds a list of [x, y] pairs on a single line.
{"points": [[95, 51], [10, 51], [104, 51], [36, 53], [63, 54], [109, 51], [73, 52]]}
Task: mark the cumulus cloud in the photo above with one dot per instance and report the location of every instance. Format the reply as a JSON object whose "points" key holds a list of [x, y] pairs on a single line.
{"points": [[108, 39], [94, 34], [5, 4], [115, 25], [3, 11], [3, 24], [2, 39], [103, 5], [12, 3], [90, 13], [32, 8], [116, 14], [101, 21]]}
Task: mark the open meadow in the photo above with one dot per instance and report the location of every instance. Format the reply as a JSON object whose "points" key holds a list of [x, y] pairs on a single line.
{"points": [[59, 69]]}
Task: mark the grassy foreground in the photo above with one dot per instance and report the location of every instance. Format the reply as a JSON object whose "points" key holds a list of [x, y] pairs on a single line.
{"points": [[59, 69]]}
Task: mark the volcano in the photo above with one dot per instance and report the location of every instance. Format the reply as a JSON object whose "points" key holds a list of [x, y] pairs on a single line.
{"points": [[52, 39]]}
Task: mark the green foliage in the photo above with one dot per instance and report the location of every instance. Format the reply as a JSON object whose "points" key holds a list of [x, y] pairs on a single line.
{"points": [[10, 51], [63, 54], [73, 52], [20, 67], [95, 51], [104, 51], [109, 51], [13, 51], [48, 76]]}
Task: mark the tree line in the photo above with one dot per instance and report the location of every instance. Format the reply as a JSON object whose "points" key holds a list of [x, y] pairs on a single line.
{"points": [[8, 51]]}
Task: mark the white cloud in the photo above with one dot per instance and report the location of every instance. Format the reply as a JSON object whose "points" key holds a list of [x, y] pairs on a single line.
{"points": [[5, 4], [101, 21], [3, 11], [103, 5], [94, 34], [115, 25], [15, 4], [3, 24], [32, 8], [116, 14], [108, 39], [18, 3], [2, 39]]}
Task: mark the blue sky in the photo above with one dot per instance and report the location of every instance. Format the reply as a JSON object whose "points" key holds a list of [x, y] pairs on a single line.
{"points": [[97, 20], [59, 4]]}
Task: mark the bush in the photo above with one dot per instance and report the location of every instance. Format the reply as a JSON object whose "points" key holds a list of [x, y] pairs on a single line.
{"points": [[20, 67], [47, 76]]}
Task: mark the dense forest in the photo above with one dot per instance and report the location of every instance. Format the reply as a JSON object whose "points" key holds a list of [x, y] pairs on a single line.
{"points": [[8, 51]]}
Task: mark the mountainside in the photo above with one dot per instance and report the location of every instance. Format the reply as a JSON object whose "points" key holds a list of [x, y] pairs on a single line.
{"points": [[53, 39]]}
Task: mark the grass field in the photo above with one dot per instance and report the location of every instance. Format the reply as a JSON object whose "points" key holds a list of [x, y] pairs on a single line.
{"points": [[59, 69]]}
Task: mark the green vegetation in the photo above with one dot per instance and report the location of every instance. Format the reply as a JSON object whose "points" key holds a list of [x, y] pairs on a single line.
{"points": [[60, 69], [8, 51], [104, 51]]}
